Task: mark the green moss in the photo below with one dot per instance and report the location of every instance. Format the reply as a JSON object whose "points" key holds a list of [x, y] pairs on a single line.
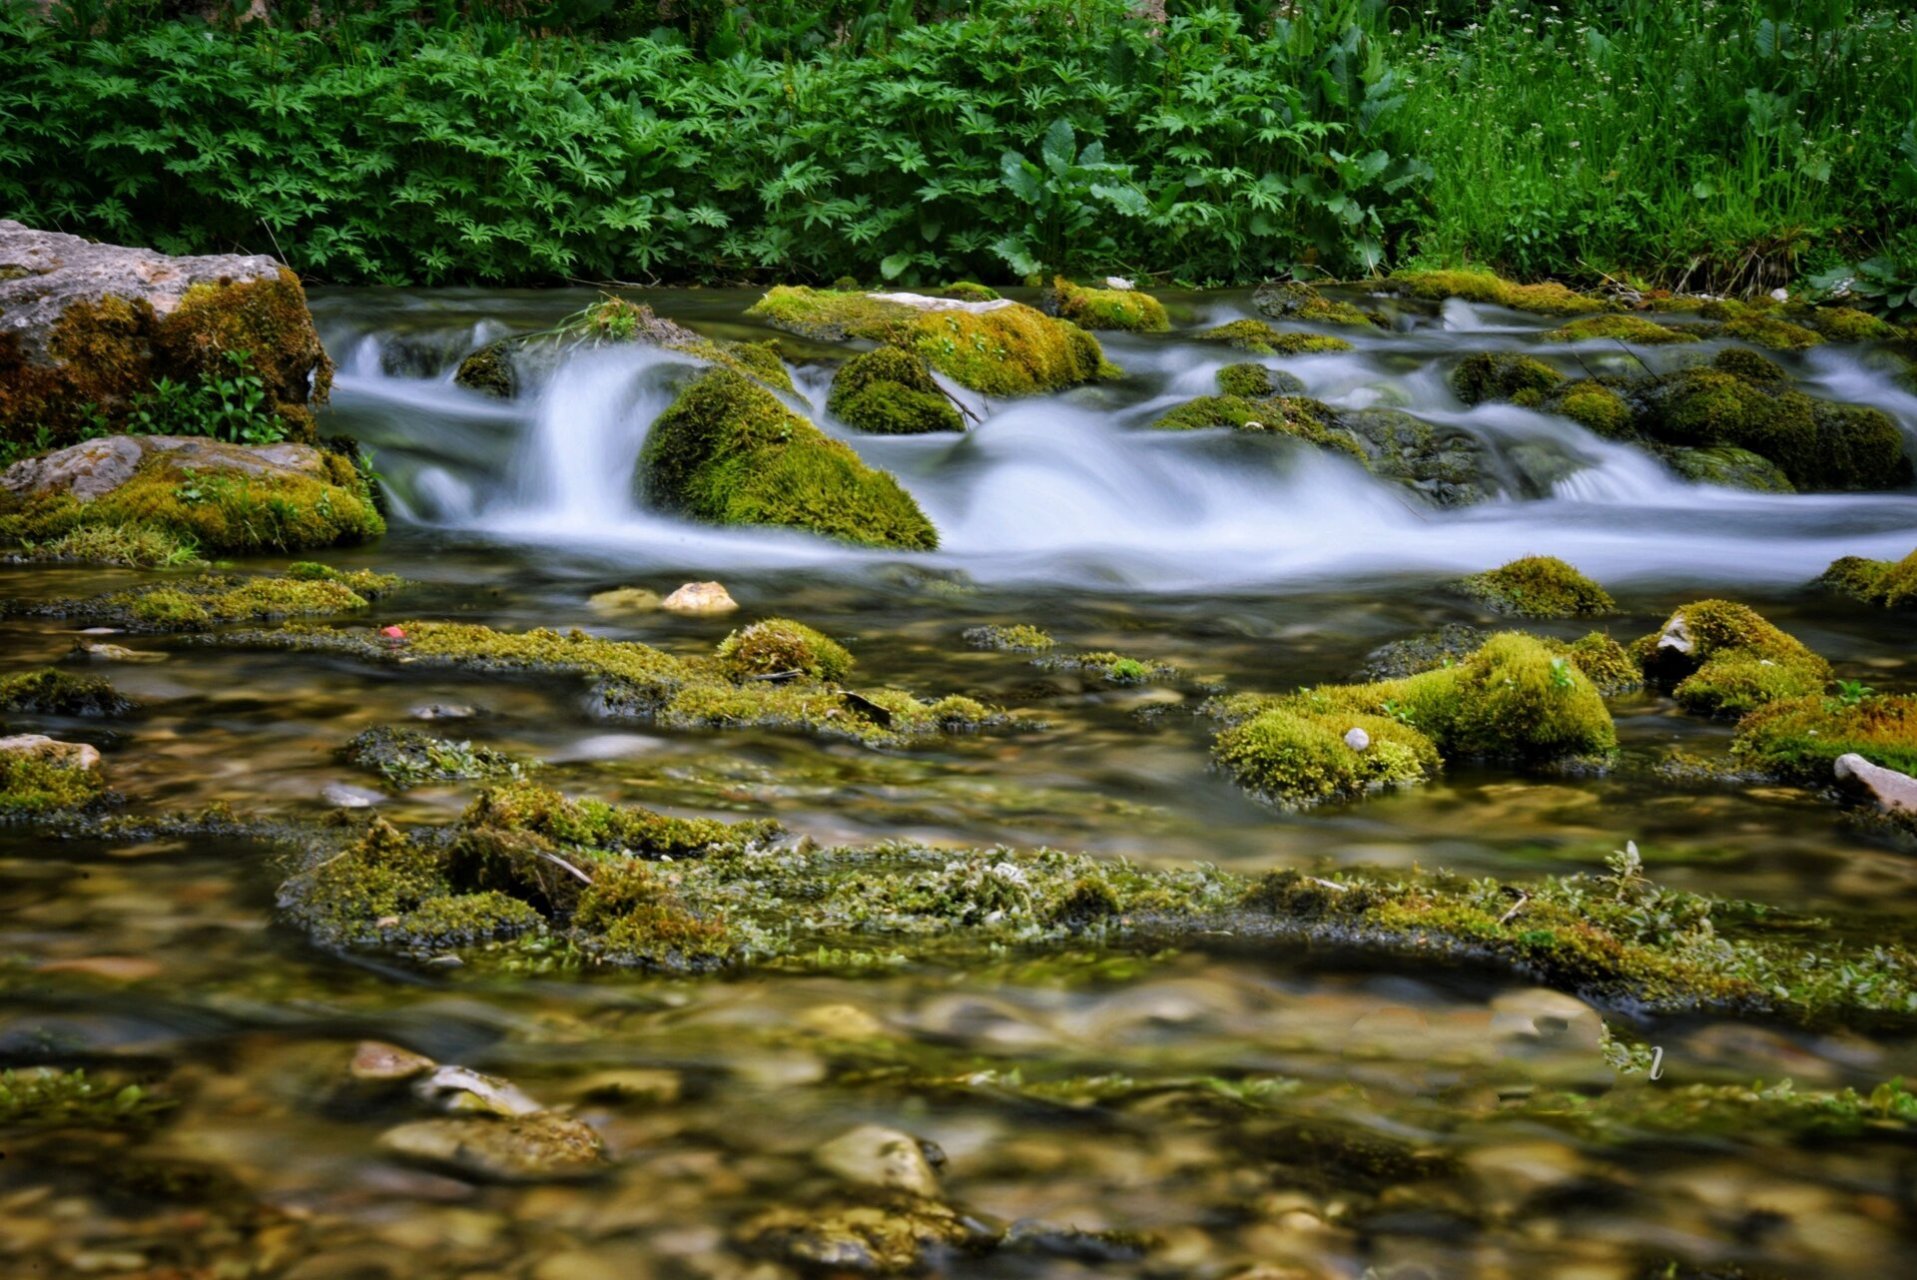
{"points": [[1256, 382], [959, 291], [727, 452], [1120, 310], [1890, 583], [1730, 467], [781, 647], [1294, 755], [1262, 339], [1606, 663], [1017, 638], [1720, 657], [631, 910], [1501, 375], [1620, 328], [1295, 300], [1112, 668], [1749, 365], [489, 371], [1592, 405], [1799, 739], [1296, 416], [1848, 324], [33, 787], [405, 758], [1539, 587], [1012, 350], [215, 511], [47, 692], [636, 681], [189, 604], [1549, 298], [527, 807], [1750, 324], [887, 391], [136, 546], [39, 1098]]}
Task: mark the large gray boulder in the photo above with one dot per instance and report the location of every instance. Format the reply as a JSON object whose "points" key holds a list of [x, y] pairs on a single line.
{"points": [[95, 468]]}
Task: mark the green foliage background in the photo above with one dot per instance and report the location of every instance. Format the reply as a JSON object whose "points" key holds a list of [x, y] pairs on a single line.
{"points": [[1720, 143]]}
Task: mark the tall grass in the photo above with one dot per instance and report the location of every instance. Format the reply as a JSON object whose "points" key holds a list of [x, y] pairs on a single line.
{"points": [[1701, 141]]}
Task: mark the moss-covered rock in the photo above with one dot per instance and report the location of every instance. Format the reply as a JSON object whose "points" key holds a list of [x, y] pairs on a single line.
{"points": [[1847, 324], [958, 290], [1548, 298], [1730, 468], [1620, 328], [1799, 739], [1295, 300], [406, 758], [1110, 667], [1395, 659], [1445, 465], [34, 785], [629, 680], [1539, 587], [196, 494], [1250, 381], [1295, 755], [1759, 326], [1118, 310], [489, 371], [781, 647], [1016, 638], [1594, 405], [1606, 663], [887, 391], [1503, 375], [90, 327], [1890, 583], [48, 692], [1723, 658], [191, 604], [1295, 416], [1261, 339], [727, 452], [999, 347]]}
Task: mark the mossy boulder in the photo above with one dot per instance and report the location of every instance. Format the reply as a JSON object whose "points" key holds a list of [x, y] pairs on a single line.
{"points": [[1890, 583], [1251, 381], [407, 758], [201, 494], [1118, 310], [888, 391], [1018, 637], [1295, 755], [1800, 739], [46, 691], [1295, 300], [35, 784], [1635, 330], [999, 347], [1595, 405], [1847, 324], [1503, 375], [780, 647], [489, 371], [1547, 298], [958, 290], [1750, 365], [1261, 339], [1538, 587], [1731, 468], [1759, 326], [1723, 658], [1445, 465], [1295, 416], [1607, 664], [86, 328], [728, 452]]}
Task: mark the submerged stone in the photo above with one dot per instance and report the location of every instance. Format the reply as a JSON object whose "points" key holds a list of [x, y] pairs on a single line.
{"points": [[877, 1238], [728, 453], [1539, 587], [546, 1147], [874, 1156]]}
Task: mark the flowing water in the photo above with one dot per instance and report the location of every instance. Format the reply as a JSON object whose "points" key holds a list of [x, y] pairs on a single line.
{"points": [[1183, 1096]]}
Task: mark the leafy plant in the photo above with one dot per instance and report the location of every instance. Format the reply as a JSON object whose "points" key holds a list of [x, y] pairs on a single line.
{"points": [[229, 405], [1852, 692], [1070, 191]]}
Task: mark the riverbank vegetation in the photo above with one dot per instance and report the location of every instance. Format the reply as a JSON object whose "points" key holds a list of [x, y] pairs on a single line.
{"points": [[1730, 145]]}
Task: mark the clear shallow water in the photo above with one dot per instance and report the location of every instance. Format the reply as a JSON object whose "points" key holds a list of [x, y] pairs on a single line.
{"points": [[1240, 562]]}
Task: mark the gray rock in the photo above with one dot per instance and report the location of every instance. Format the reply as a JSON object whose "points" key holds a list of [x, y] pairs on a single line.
{"points": [[464, 1091], [376, 1062], [444, 711], [93, 468], [546, 1147], [1445, 465], [1893, 791]]}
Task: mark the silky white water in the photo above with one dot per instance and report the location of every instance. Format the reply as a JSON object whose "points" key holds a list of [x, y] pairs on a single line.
{"points": [[1076, 489]]}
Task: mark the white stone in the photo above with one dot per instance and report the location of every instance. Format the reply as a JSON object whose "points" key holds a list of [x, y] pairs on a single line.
{"points": [[875, 1156], [1356, 738], [700, 597], [63, 755], [1118, 282], [347, 797], [1892, 790], [461, 1089]]}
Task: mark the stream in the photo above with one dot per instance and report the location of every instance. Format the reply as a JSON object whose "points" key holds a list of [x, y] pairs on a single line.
{"points": [[1088, 1097]]}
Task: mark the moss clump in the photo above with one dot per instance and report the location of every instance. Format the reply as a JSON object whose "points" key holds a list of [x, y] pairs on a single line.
{"points": [[1749, 324], [191, 604], [1549, 298], [214, 511], [782, 647], [1731, 468], [1261, 339], [1607, 664], [631, 912], [47, 692], [1749, 365], [1256, 382], [727, 452], [1799, 739], [637, 681], [958, 291], [1112, 668], [1723, 658], [1120, 310], [489, 371], [1593, 405], [33, 786], [1539, 587], [887, 391], [39, 1098], [1295, 300], [1848, 324], [1890, 583], [1503, 375], [1817, 444], [136, 546], [1618, 328], [589, 824], [1296, 416], [1017, 638], [1009, 350], [405, 758], [1294, 755]]}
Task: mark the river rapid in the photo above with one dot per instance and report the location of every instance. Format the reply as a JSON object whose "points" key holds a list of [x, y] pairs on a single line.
{"points": [[1182, 1097]]}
